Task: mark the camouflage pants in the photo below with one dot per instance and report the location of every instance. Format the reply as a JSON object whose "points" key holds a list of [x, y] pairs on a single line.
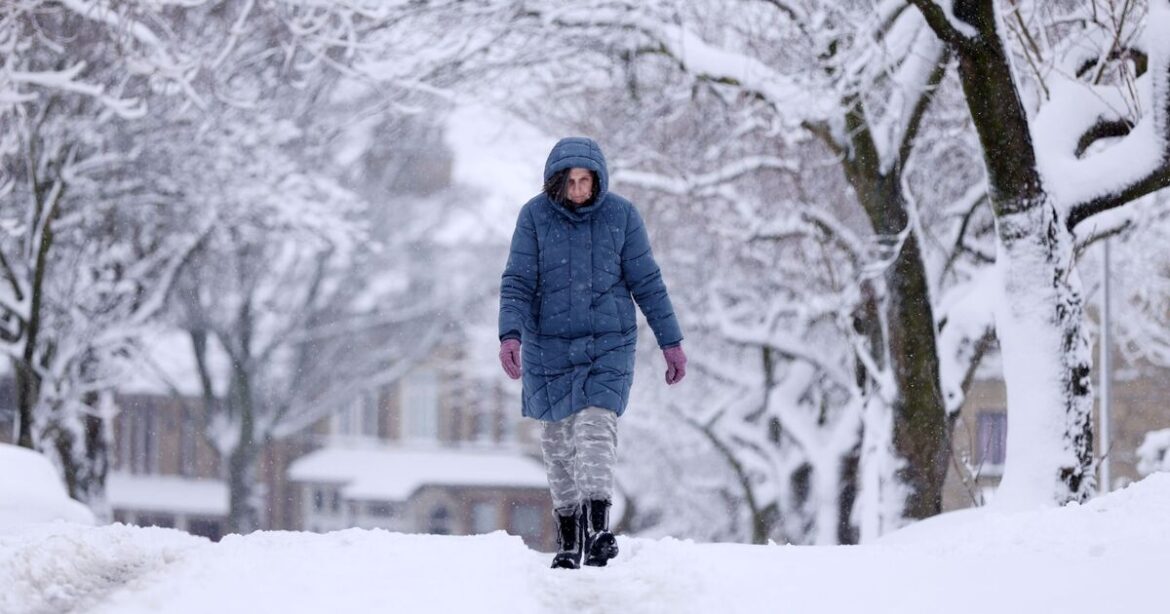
{"points": [[579, 454]]}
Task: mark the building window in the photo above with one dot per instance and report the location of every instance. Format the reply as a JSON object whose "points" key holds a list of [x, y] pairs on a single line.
{"points": [[380, 509], [318, 499], [482, 426], [335, 501], [187, 445], [440, 521], [484, 517], [359, 418], [145, 444], [526, 520], [991, 440], [343, 421], [369, 414], [420, 405], [126, 440], [506, 421], [152, 436]]}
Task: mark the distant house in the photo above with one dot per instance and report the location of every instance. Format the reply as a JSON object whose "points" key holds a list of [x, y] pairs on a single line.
{"points": [[979, 441], [163, 472], [429, 454], [436, 490]]}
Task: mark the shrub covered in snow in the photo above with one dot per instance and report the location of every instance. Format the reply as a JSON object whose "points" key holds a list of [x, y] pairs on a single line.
{"points": [[31, 492], [1154, 453]]}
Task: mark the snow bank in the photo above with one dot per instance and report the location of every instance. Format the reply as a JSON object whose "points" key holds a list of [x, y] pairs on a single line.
{"points": [[1127, 520], [67, 568], [31, 492], [1109, 555]]}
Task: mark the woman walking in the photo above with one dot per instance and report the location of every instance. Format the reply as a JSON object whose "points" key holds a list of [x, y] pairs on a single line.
{"points": [[580, 258]]}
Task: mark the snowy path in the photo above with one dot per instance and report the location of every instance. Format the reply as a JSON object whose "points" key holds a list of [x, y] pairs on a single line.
{"points": [[1108, 556]]}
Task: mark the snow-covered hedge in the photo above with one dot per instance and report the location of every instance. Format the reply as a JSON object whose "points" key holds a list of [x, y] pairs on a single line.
{"points": [[31, 492], [1154, 453]]}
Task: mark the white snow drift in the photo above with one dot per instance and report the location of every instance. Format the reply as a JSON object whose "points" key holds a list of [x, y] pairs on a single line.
{"points": [[1109, 555], [31, 492]]}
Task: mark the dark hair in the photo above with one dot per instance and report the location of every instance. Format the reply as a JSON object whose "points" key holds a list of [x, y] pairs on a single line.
{"points": [[556, 187]]}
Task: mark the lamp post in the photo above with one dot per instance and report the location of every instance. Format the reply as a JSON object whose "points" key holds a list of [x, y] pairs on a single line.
{"points": [[1106, 370]]}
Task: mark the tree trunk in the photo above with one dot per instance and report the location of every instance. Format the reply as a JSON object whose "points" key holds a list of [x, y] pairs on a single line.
{"points": [[1046, 364], [847, 532], [92, 490], [83, 453], [762, 519], [27, 393], [243, 511], [919, 420], [28, 382], [1040, 318], [921, 427], [243, 515]]}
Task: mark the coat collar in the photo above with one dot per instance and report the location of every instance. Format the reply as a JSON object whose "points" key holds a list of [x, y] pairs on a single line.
{"points": [[576, 214]]}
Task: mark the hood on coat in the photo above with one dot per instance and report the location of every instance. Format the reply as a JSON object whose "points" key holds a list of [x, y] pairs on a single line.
{"points": [[579, 152]]}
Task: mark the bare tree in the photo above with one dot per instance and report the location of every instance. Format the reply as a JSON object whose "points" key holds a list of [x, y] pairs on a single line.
{"points": [[87, 90]]}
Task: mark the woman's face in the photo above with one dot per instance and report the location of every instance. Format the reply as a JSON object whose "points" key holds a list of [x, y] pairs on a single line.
{"points": [[580, 186]]}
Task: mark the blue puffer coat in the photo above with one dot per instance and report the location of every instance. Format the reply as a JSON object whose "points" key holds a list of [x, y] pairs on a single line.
{"points": [[568, 293]]}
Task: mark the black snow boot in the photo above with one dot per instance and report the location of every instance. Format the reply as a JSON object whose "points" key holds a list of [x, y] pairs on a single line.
{"points": [[600, 544], [570, 541]]}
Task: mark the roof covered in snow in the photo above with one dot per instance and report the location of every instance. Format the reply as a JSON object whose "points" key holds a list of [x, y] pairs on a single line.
{"points": [[167, 363], [394, 474], [165, 493]]}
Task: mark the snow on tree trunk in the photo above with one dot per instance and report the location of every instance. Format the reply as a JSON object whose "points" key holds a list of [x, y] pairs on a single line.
{"points": [[1046, 362], [833, 493], [78, 438], [882, 496]]}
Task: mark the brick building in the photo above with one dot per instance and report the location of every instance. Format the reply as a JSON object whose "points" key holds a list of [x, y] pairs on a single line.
{"points": [[1138, 405], [470, 462]]}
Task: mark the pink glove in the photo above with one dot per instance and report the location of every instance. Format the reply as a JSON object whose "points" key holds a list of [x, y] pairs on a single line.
{"points": [[676, 364], [510, 357]]}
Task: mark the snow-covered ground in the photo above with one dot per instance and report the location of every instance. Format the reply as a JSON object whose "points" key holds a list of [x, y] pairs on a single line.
{"points": [[1110, 555]]}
